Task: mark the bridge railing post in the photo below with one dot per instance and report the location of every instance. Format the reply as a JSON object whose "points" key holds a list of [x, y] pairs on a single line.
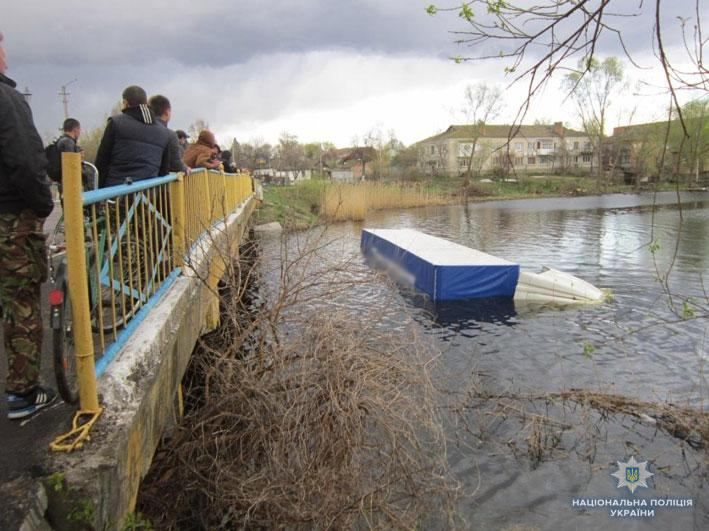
{"points": [[177, 204], [78, 281]]}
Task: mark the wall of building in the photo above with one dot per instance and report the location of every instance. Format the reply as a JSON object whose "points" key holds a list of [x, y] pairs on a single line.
{"points": [[534, 154]]}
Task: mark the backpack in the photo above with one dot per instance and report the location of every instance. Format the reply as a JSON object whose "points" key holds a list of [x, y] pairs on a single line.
{"points": [[54, 158]]}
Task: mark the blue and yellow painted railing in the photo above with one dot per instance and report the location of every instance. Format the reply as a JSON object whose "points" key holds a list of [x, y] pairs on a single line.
{"points": [[140, 237]]}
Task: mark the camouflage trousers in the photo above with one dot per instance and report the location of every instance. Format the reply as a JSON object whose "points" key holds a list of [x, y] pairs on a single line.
{"points": [[23, 268]]}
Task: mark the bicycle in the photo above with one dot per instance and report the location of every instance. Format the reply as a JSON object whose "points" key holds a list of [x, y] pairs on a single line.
{"points": [[110, 253]]}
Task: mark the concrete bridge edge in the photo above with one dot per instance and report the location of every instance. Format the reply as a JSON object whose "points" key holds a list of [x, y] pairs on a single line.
{"points": [[96, 487]]}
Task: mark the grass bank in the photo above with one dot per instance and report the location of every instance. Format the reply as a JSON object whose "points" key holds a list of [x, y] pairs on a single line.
{"points": [[292, 206], [310, 202]]}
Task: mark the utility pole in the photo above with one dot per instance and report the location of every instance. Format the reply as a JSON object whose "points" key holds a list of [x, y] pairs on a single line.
{"points": [[234, 149], [65, 98], [321, 173], [27, 95]]}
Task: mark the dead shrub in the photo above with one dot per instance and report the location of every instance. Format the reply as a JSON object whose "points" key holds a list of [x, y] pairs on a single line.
{"points": [[303, 419]]}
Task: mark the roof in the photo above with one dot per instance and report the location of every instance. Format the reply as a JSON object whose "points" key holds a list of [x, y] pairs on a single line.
{"points": [[503, 131], [633, 132], [356, 153]]}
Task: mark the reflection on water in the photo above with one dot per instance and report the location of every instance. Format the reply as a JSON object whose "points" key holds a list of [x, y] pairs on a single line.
{"points": [[637, 346], [461, 315]]}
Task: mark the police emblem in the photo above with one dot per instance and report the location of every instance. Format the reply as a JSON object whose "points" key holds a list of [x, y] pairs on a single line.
{"points": [[632, 474]]}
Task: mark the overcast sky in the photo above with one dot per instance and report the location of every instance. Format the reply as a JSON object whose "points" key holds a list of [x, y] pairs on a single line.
{"points": [[320, 69]]}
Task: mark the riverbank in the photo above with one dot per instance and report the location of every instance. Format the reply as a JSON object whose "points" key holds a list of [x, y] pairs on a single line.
{"points": [[301, 206]]}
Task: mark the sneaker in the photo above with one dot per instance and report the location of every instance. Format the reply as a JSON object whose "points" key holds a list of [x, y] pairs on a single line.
{"points": [[21, 406]]}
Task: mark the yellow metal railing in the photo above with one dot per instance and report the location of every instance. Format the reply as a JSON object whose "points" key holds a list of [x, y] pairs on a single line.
{"points": [[209, 197], [125, 245]]}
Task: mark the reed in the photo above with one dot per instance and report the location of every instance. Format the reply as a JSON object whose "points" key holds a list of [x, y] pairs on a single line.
{"points": [[342, 202]]}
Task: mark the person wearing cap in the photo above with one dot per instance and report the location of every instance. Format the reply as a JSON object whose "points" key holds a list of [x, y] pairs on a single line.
{"points": [[134, 145], [25, 202], [201, 153], [182, 140]]}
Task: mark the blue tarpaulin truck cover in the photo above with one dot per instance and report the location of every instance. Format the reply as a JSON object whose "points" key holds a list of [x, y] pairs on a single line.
{"points": [[443, 269]]}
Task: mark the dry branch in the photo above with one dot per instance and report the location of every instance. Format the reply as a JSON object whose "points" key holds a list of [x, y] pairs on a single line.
{"points": [[302, 419]]}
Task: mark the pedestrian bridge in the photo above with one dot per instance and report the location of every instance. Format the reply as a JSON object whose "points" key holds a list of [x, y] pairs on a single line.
{"points": [[143, 263]]}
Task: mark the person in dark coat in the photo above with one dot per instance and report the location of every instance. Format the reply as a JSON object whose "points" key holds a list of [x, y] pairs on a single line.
{"points": [[183, 139], [69, 143], [25, 201], [160, 105], [225, 156], [134, 145]]}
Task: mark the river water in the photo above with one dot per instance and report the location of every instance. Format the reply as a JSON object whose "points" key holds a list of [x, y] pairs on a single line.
{"points": [[646, 343]]}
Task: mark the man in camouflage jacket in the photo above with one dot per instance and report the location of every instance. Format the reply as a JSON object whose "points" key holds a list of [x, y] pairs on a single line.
{"points": [[25, 200]]}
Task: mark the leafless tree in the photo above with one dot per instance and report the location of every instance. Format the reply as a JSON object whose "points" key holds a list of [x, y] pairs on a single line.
{"points": [[291, 154], [196, 127], [482, 104], [593, 94], [539, 38]]}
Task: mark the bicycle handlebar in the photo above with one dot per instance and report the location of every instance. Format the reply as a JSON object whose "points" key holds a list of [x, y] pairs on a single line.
{"points": [[94, 169]]}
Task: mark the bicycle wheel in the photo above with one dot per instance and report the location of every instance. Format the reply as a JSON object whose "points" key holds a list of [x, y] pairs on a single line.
{"points": [[64, 353], [119, 296]]}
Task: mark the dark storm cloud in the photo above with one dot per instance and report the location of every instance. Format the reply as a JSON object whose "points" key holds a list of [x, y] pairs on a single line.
{"points": [[265, 56], [224, 32], [215, 32]]}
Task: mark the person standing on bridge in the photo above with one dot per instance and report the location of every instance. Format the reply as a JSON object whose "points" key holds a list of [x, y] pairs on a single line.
{"points": [[134, 145], [69, 143], [201, 154], [25, 201], [182, 138], [163, 112]]}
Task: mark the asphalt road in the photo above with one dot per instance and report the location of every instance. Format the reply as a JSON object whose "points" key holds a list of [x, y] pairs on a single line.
{"points": [[25, 443]]}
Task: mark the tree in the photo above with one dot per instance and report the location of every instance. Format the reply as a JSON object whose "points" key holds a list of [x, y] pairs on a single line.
{"points": [[244, 156], [196, 127], [538, 38], [592, 88], [316, 155], [481, 104], [91, 139], [291, 155], [376, 140], [693, 150], [359, 153], [262, 154], [406, 160]]}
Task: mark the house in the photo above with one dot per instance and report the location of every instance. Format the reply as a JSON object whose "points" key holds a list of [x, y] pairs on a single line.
{"points": [[484, 148], [342, 175], [637, 151], [271, 175], [355, 160]]}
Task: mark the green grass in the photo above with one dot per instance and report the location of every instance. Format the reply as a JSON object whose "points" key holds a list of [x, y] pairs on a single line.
{"points": [[292, 206]]}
